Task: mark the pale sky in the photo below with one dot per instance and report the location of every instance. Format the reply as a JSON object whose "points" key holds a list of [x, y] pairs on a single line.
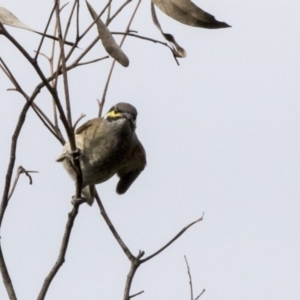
{"points": [[221, 132]]}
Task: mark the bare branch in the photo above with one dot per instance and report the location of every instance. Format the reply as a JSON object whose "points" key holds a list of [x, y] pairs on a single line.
{"points": [[6, 278], [191, 282], [190, 278], [46, 28], [95, 20], [45, 82], [64, 71], [134, 295], [36, 109], [77, 19], [80, 118], [62, 253], [112, 228], [172, 240], [20, 171], [200, 294], [135, 263], [101, 104], [4, 202], [148, 39], [91, 61], [117, 12], [114, 61]]}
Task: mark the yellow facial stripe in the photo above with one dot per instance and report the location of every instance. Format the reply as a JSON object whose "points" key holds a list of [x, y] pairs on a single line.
{"points": [[113, 114]]}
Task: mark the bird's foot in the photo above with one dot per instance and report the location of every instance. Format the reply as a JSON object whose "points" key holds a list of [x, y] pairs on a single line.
{"points": [[69, 154], [75, 154], [78, 201]]}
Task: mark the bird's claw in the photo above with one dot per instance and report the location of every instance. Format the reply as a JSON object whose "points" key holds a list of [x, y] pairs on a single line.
{"points": [[78, 201]]}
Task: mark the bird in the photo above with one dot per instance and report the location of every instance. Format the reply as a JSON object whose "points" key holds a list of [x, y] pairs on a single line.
{"points": [[107, 145]]}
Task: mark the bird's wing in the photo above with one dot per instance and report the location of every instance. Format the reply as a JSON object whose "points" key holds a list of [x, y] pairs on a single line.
{"points": [[85, 126], [132, 169]]}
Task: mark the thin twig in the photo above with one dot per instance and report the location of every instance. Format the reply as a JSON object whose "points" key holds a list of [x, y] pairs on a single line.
{"points": [[44, 34], [172, 240], [55, 96], [109, 19], [62, 252], [134, 295], [6, 278], [91, 61], [80, 37], [77, 19], [112, 228], [148, 39], [20, 171], [45, 82], [101, 104], [36, 109], [190, 278], [78, 120], [200, 294], [95, 20], [114, 61], [63, 65], [4, 202], [69, 20], [135, 263]]}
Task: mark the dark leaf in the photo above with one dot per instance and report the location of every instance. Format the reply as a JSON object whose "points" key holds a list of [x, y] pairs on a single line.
{"points": [[177, 50], [108, 41], [186, 12]]}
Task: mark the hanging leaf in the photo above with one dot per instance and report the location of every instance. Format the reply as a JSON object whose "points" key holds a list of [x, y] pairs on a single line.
{"points": [[177, 50], [186, 12], [110, 45], [7, 18]]}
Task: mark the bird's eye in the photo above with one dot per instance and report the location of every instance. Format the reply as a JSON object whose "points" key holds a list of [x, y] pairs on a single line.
{"points": [[116, 111]]}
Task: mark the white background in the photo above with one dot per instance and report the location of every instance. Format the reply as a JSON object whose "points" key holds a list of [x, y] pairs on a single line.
{"points": [[221, 133]]}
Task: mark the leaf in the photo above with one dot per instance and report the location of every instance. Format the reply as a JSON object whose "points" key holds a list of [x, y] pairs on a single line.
{"points": [[7, 18], [186, 12], [177, 50], [110, 45]]}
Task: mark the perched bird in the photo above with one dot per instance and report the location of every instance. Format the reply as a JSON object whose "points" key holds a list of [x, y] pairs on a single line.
{"points": [[108, 146]]}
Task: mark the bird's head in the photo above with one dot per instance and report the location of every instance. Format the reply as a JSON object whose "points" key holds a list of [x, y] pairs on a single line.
{"points": [[122, 111]]}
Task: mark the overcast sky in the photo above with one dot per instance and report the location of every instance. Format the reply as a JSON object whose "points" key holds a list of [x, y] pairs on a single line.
{"points": [[221, 132]]}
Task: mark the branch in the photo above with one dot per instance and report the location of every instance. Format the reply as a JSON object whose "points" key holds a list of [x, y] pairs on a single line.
{"points": [[63, 66], [4, 202], [51, 90], [54, 94], [134, 295], [44, 34], [190, 278], [45, 120], [200, 294], [112, 228], [173, 239], [6, 279], [135, 263], [62, 253], [191, 283], [148, 39], [117, 12], [114, 61], [20, 171]]}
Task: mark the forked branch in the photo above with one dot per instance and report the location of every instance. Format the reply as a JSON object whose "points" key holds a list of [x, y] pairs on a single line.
{"points": [[135, 261]]}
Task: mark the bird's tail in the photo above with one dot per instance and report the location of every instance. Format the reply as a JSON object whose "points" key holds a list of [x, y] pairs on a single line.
{"points": [[89, 192]]}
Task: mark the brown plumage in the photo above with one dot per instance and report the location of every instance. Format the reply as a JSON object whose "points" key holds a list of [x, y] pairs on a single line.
{"points": [[108, 146]]}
